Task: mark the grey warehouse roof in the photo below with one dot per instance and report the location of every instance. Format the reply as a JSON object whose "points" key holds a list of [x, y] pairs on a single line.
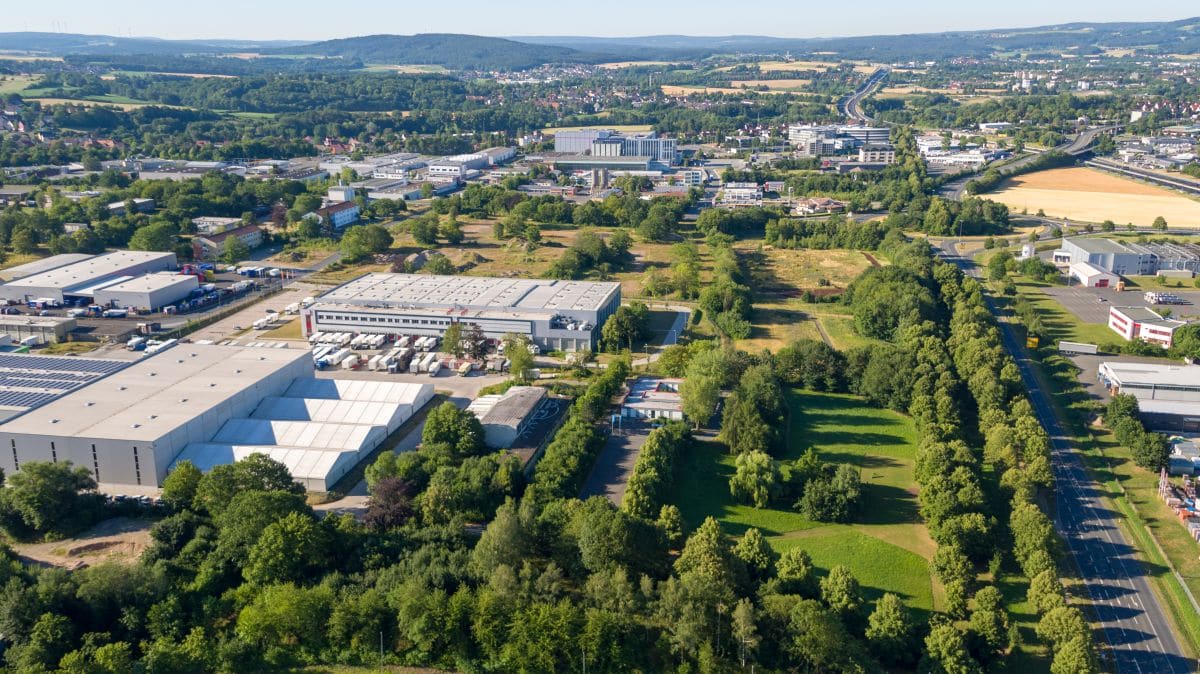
{"points": [[472, 292], [155, 395], [1102, 246], [151, 282], [83, 272], [43, 265], [1151, 374]]}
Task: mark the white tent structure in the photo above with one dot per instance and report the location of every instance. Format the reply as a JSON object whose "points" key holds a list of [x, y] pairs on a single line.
{"points": [[320, 428]]}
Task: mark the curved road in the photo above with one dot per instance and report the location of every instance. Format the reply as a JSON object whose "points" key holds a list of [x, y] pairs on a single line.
{"points": [[1133, 623], [851, 106]]}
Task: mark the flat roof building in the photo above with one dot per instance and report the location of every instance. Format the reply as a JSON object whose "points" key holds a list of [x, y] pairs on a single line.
{"points": [[150, 292], [653, 398], [1130, 259], [564, 315], [1145, 324], [46, 329], [28, 381], [1091, 276], [43, 265], [81, 279], [505, 416], [1168, 394]]}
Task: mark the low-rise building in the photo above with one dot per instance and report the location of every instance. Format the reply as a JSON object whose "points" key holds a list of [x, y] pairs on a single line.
{"points": [[150, 292], [653, 398], [877, 154], [337, 216], [505, 416], [211, 247], [739, 195], [1091, 276], [1145, 324], [209, 224], [118, 208], [80, 280], [1168, 394], [815, 205]]}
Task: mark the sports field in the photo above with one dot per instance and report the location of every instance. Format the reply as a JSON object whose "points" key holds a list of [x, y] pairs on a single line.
{"points": [[1089, 195], [886, 546]]}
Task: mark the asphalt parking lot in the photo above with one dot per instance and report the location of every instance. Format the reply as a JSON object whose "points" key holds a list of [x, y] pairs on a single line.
{"points": [[1091, 305]]}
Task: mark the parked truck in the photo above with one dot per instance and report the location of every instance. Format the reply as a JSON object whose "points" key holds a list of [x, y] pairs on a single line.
{"points": [[351, 362], [434, 368], [136, 344]]}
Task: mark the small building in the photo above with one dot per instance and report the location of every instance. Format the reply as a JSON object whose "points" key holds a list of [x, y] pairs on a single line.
{"points": [[815, 205], [46, 329], [1091, 276], [151, 292], [210, 247], [741, 195], [337, 216], [504, 417], [653, 398], [339, 193], [208, 224], [1145, 324], [117, 208]]}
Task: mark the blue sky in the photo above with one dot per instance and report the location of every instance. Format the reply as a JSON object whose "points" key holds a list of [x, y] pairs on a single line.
{"points": [[321, 19]]}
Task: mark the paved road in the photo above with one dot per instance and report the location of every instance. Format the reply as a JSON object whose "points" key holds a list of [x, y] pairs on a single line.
{"points": [[614, 465], [1180, 183], [1132, 622], [851, 106]]}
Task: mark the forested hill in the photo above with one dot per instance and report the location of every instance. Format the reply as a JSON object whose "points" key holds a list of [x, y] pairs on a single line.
{"points": [[1167, 37], [63, 44], [444, 49]]}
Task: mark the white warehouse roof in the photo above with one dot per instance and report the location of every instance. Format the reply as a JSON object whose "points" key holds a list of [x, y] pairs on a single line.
{"points": [[316, 469], [148, 283], [472, 292], [300, 434], [85, 272], [389, 415], [362, 390]]}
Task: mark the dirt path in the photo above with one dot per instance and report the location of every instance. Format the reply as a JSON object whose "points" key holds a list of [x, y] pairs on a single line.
{"points": [[824, 335], [871, 259]]}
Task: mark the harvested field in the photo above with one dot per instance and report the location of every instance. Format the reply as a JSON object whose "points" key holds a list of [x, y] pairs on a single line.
{"points": [[618, 65], [677, 90], [793, 66], [772, 84], [1094, 196]]}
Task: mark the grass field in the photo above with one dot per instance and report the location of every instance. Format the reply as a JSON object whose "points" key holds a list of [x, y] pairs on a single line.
{"points": [[110, 101], [887, 546], [288, 330], [680, 90], [1060, 323], [788, 272], [11, 84], [774, 325], [1093, 196], [618, 65], [406, 69]]}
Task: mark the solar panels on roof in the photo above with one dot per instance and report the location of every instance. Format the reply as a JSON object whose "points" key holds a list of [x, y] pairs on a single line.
{"points": [[28, 382]]}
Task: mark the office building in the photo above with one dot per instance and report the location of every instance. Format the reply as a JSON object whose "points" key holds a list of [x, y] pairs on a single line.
{"points": [[579, 141], [1145, 324], [559, 315], [877, 154], [739, 195], [208, 225], [80, 280], [505, 416], [867, 135], [210, 247], [653, 398]]}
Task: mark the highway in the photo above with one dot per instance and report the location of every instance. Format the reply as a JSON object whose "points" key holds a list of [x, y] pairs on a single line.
{"points": [[1133, 626], [1182, 184], [850, 107]]}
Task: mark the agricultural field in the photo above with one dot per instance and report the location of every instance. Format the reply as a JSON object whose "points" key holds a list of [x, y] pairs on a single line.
{"points": [[619, 65], [681, 90], [1089, 195], [106, 101], [407, 69], [795, 66], [780, 85], [887, 547]]}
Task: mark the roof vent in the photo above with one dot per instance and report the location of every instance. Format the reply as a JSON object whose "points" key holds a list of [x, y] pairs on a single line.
{"points": [[237, 371], [54, 421], [153, 416], [183, 400], [135, 425], [89, 403], [120, 388]]}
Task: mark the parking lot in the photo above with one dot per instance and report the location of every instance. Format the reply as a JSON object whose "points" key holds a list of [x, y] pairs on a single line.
{"points": [[1091, 305]]}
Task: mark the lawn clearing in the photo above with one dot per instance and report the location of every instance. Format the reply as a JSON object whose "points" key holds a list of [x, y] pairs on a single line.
{"points": [[879, 567], [887, 534], [1094, 196], [289, 330], [776, 325], [786, 272]]}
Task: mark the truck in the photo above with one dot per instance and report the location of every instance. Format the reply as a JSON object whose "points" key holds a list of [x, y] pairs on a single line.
{"points": [[76, 313], [136, 344], [414, 365], [115, 313], [351, 362], [339, 355], [427, 361], [373, 364], [434, 368], [465, 369], [1077, 347]]}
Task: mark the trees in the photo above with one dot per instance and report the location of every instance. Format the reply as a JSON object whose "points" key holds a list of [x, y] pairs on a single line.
{"points": [[889, 630], [48, 498], [234, 250], [179, 487], [628, 326], [1160, 223], [654, 470], [811, 364], [257, 472], [363, 240], [520, 360], [756, 554], [699, 396], [160, 236], [755, 478], [833, 498], [291, 549], [452, 339], [458, 429], [946, 653], [841, 593], [390, 504]]}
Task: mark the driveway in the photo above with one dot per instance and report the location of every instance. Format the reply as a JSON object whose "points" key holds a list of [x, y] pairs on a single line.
{"points": [[613, 467]]}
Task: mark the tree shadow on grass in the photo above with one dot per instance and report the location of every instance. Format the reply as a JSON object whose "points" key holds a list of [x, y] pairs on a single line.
{"points": [[885, 504]]}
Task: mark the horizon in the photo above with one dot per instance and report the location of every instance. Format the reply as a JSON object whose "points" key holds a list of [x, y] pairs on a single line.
{"points": [[541, 19]]}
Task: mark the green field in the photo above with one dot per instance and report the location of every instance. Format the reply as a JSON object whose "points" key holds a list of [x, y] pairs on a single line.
{"points": [[11, 84], [887, 546]]}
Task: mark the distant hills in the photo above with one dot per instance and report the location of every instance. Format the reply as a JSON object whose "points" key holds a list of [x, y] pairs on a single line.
{"points": [[468, 52], [475, 52]]}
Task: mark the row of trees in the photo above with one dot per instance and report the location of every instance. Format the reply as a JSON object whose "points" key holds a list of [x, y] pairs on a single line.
{"points": [[653, 474], [726, 300], [1150, 450]]}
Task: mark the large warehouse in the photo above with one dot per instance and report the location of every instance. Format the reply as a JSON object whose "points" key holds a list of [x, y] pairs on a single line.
{"points": [[559, 315], [1168, 394], [150, 292], [201, 403], [81, 280]]}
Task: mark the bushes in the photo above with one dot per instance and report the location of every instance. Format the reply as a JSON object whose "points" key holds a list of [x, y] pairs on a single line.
{"points": [[654, 473]]}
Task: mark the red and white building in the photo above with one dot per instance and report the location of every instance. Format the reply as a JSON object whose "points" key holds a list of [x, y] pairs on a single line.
{"points": [[1141, 323]]}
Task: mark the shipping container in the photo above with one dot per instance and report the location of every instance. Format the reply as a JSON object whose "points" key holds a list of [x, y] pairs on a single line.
{"points": [[373, 364], [434, 368], [350, 362]]}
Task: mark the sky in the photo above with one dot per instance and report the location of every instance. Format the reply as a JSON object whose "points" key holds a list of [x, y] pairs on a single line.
{"points": [[321, 19]]}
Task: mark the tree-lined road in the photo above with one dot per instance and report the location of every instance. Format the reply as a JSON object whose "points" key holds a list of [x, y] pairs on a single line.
{"points": [[1132, 622]]}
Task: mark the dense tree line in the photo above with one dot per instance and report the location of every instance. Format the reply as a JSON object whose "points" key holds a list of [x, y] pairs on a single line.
{"points": [[726, 300], [654, 471], [832, 232], [1149, 449]]}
